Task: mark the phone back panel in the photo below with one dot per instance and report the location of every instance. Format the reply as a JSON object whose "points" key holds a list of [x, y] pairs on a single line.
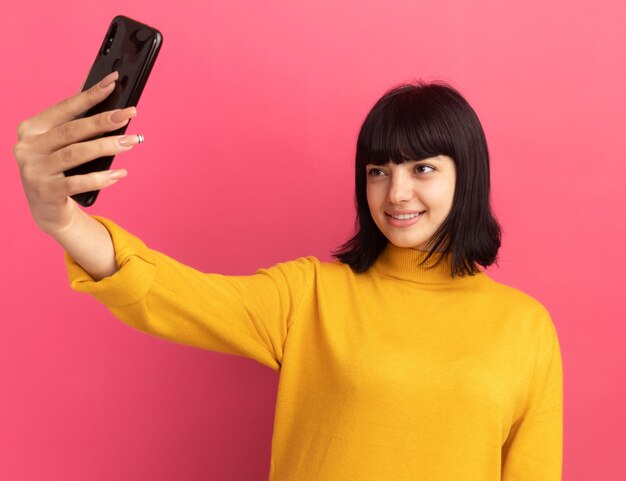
{"points": [[130, 48]]}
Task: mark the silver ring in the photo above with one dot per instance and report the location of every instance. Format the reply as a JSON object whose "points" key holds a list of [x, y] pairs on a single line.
{"points": [[140, 138]]}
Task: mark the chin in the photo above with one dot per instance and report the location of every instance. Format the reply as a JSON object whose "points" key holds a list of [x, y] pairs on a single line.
{"points": [[407, 243]]}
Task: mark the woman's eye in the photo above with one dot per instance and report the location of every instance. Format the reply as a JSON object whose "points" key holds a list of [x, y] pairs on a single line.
{"points": [[424, 168], [375, 172]]}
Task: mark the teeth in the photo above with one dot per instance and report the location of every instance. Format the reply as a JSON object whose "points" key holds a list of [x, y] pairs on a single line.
{"points": [[405, 216]]}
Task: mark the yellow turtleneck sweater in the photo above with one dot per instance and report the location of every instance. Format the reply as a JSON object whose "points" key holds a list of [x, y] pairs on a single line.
{"points": [[397, 374]]}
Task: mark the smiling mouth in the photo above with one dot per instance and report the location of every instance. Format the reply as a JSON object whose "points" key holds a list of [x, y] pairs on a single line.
{"points": [[405, 216]]}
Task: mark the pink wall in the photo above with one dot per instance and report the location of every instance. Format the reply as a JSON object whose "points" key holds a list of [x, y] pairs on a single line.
{"points": [[253, 109]]}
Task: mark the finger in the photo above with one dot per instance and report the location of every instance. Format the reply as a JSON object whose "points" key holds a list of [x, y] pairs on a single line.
{"points": [[70, 107], [82, 129], [77, 184], [79, 153]]}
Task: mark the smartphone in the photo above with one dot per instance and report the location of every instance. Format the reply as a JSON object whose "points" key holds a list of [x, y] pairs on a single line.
{"points": [[131, 48]]}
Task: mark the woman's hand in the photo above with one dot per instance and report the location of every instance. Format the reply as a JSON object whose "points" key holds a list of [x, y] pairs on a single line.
{"points": [[54, 141]]}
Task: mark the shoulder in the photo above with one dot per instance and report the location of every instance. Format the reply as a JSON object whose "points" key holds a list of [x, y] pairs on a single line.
{"points": [[526, 311], [312, 266], [300, 266], [310, 273], [513, 297]]}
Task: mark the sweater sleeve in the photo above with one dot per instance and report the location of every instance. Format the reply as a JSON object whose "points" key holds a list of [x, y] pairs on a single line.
{"points": [[247, 316], [534, 448]]}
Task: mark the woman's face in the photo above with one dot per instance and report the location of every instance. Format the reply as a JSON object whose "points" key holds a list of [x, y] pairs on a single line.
{"points": [[409, 201]]}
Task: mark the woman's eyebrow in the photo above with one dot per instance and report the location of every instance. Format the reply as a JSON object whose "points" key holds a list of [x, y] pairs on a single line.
{"points": [[436, 158], [427, 159]]}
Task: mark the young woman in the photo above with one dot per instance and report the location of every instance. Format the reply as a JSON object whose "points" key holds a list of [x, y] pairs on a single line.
{"points": [[402, 359]]}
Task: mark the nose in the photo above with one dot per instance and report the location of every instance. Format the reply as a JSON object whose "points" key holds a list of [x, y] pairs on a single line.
{"points": [[400, 189]]}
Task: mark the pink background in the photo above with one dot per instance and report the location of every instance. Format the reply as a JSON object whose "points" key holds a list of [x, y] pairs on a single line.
{"points": [[250, 119]]}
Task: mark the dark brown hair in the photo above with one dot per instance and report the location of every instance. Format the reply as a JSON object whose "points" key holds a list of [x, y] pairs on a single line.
{"points": [[414, 122]]}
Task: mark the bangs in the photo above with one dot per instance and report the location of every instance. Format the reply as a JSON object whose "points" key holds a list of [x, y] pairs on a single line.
{"points": [[403, 127]]}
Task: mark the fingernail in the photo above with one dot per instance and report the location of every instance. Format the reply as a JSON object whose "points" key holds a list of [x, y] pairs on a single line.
{"points": [[129, 140], [122, 115], [117, 174], [109, 79]]}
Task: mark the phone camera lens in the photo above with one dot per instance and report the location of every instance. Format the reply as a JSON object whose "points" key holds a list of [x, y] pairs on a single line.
{"points": [[109, 40]]}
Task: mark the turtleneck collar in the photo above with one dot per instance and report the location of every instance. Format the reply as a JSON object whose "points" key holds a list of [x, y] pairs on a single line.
{"points": [[403, 263]]}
